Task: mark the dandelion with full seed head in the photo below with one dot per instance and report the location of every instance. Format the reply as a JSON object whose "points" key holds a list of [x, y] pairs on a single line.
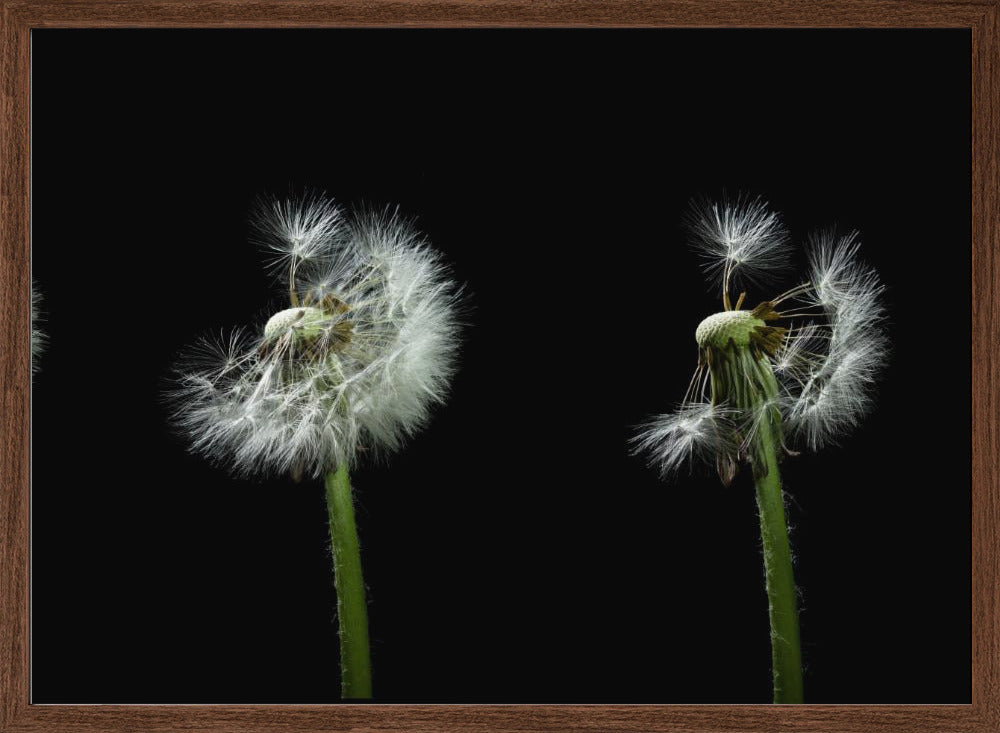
{"points": [[354, 363], [798, 370]]}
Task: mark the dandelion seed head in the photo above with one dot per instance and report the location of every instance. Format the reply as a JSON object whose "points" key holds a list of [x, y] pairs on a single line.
{"points": [[357, 363], [804, 364], [293, 321]]}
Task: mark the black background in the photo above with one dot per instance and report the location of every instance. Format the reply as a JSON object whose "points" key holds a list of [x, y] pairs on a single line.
{"points": [[514, 550]]}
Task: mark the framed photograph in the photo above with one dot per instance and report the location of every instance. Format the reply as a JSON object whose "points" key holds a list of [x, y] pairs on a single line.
{"points": [[498, 366]]}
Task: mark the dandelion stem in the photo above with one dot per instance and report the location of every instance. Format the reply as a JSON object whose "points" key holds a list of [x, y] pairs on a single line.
{"points": [[352, 613], [786, 655]]}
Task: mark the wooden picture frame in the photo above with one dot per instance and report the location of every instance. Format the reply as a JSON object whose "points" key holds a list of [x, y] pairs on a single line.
{"points": [[19, 17]]}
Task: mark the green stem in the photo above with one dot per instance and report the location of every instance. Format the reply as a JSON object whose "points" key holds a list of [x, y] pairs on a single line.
{"points": [[352, 613], [786, 655]]}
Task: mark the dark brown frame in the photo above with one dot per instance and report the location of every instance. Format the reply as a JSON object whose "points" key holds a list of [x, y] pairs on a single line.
{"points": [[20, 16]]}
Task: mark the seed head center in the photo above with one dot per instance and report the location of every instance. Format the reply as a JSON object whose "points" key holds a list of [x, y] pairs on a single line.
{"points": [[305, 321], [308, 332], [718, 329]]}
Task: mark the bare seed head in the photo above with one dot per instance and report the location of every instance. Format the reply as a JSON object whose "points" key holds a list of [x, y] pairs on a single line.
{"points": [[720, 328]]}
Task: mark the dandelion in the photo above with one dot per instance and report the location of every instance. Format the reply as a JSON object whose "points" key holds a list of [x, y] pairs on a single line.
{"points": [[37, 336], [798, 370], [355, 362]]}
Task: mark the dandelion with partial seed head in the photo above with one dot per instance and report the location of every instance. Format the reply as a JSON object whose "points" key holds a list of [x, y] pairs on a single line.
{"points": [[364, 350], [37, 336], [796, 370]]}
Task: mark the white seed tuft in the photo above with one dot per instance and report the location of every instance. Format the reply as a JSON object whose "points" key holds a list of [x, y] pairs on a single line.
{"points": [[37, 336], [838, 390], [303, 232], [695, 432], [739, 240]]}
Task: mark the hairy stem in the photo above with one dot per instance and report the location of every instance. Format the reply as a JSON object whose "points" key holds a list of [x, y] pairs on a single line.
{"points": [[352, 613], [786, 654]]}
